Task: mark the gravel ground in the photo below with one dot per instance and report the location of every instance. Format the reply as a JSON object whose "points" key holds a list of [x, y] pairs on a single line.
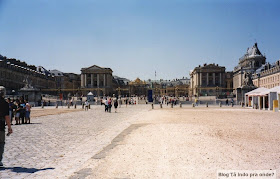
{"points": [[191, 143]]}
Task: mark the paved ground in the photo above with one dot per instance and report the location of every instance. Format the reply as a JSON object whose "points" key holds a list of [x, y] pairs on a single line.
{"points": [[138, 142], [190, 143], [55, 146]]}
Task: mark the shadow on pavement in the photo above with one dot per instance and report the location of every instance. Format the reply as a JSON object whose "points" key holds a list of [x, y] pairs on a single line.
{"points": [[24, 170]]}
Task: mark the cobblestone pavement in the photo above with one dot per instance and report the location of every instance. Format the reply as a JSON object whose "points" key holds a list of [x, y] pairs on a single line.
{"points": [[56, 146]]}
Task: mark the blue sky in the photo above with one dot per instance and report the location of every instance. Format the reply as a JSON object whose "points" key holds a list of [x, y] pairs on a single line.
{"points": [[137, 37]]}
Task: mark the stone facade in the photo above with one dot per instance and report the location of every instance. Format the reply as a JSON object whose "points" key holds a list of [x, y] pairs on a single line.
{"points": [[248, 64], [14, 72], [267, 76], [210, 80], [97, 80]]}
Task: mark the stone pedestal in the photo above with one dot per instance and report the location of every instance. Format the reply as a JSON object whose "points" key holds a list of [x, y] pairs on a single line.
{"points": [[240, 93], [32, 95]]}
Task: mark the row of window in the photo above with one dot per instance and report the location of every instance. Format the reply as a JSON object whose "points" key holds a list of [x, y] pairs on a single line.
{"points": [[270, 79]]}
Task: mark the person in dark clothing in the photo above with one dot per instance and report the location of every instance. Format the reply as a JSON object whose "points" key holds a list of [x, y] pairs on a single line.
{"points": [[4, 118], [227, 102], [22, 111], [116, 105]]}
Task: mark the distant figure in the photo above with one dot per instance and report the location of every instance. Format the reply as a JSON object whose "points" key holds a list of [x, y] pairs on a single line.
{"points": [[27, 112], [109, 105], [196, 101], [232, 102], [22, 111], [17, 112], [106, 105], [116, 105], [126, 102], [86, 105], [227, 102], [11, 106]]}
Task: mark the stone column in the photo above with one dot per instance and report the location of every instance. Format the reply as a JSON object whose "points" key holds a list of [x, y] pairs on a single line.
{"points": [[207, 79], [104, 82], [91, 80], [82, 80], [214, 82], [85, 80], [98, 80]]}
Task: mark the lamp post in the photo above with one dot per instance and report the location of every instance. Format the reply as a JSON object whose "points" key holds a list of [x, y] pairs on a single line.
{"points": [[176, 91], [217, 90]]}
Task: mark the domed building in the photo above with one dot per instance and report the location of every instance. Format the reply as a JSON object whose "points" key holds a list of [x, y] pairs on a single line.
{"points": [[242, 73]]}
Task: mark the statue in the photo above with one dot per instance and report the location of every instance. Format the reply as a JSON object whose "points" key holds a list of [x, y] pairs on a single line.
{"points": [[27, 83], [248, 79]]}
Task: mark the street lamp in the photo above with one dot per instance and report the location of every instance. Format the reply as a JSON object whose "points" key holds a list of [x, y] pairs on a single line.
{"points": [[217, 90]]}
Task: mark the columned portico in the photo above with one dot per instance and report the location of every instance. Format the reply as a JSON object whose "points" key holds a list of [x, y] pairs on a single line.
{"points": [[85, 80], [104, 81], [91, 80], [97, 80], [82, 80]]}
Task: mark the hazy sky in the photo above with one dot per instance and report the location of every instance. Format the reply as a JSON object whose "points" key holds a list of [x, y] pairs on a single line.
{"points": [[138, 37]]}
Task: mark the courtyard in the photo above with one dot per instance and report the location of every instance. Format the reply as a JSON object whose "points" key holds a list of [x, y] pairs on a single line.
{"points": [[138, 142]]}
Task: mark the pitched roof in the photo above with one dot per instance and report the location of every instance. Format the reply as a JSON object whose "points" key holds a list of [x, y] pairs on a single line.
{"points": [[256, 91], [252, 52], [95, 67]]}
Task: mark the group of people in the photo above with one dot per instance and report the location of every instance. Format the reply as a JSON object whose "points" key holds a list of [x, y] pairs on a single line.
{"points": [[20, 110], [108, 104]]}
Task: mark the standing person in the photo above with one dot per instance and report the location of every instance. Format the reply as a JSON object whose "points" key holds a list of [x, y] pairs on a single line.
{"points": [[232, 102], [126, 101], [27, 112], [116, 105], [106, 105], [109, 105], [4, 117], [22, 110], [11, 106], [227, 102], [86, 105], [17, 112]]}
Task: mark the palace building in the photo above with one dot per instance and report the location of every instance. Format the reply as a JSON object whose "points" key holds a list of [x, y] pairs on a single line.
{"points": [[242, 73], [210, 80], [267, 76], [97, 80]]}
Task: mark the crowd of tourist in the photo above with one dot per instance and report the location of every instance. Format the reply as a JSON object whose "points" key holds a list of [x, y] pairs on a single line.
{"points": [[19, 111]]}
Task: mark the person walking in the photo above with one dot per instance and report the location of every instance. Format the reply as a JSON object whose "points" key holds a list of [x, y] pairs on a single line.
{"points": [[106, 105], [232, 102], [4, 118], [116, 105], [109, 105]]}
